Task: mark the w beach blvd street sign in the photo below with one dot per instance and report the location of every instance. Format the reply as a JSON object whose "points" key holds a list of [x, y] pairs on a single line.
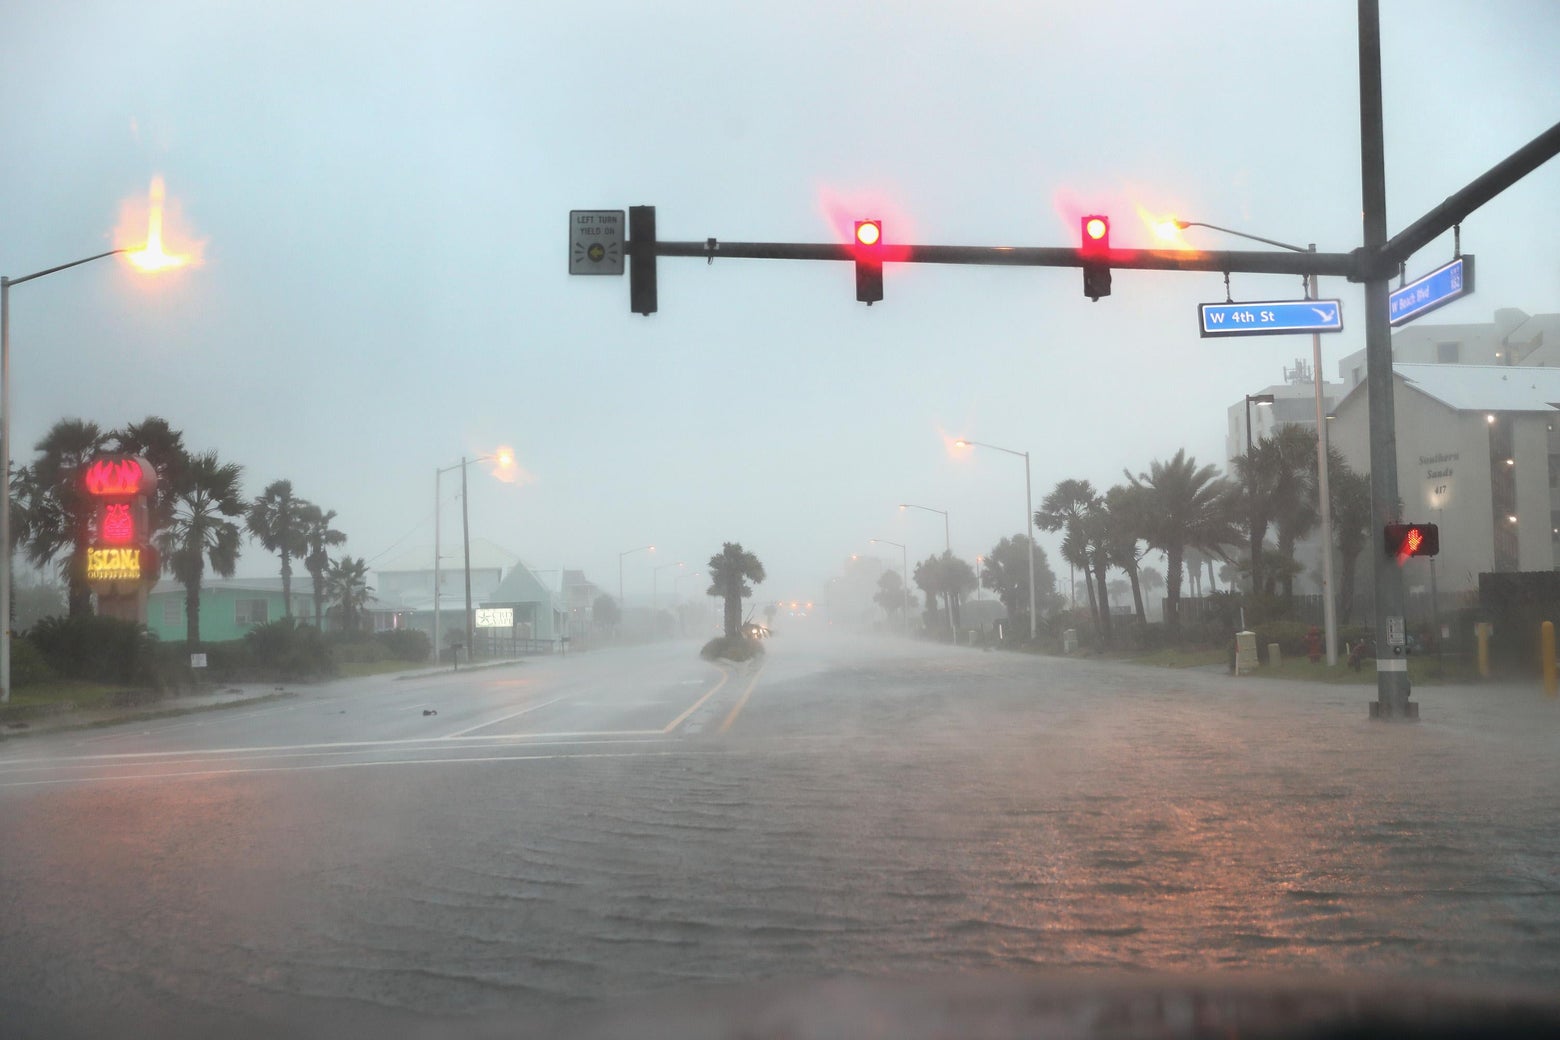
{"points": [[1436, 289]]}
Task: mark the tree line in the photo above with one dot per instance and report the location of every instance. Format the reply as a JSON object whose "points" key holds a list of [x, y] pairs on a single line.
{"points": [[1192, 514], [199, 515]]}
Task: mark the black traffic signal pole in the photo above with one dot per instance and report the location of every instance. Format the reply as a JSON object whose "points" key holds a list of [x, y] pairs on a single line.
{"points": [[1336, 265], [1374, 264]]}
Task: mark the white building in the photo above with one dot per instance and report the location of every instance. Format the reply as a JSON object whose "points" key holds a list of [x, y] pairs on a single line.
{"points": [[1294, 404], [1477, 454]]}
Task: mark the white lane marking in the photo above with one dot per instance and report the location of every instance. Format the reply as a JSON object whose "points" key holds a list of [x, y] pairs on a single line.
{"points": [[505, 718], [322, 766], [431, 748], [45, 760]]}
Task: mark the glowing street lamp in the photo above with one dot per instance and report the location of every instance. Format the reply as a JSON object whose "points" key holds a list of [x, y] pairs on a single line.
{"points": [[1029, 519], [149, 258]]}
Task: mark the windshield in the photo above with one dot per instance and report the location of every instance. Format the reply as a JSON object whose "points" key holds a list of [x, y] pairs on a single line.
{"points": [[524, 511]]}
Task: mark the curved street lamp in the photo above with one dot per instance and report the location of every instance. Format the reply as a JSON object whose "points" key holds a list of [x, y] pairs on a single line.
{"points": [[948, 548], [148, 258], [1029, 520], [628, 552]]}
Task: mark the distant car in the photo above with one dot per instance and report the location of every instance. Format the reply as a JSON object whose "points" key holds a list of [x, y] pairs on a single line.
{"points": [[753, 630]]}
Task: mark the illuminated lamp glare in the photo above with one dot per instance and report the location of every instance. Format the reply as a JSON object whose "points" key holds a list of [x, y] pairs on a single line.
{"points": [[868, 232]]}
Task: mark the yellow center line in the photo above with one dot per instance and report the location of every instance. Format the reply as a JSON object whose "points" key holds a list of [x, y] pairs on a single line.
{"points": [[713, 690], [742, 702]]}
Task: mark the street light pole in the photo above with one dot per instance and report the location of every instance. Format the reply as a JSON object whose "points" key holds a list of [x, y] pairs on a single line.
{"points": [[5, 459], [1029, 519], [904, 579], [1323, 493], [627, 552], [655, 595], [1251, 491], [465, 540], [503, 458], [948, 549]]}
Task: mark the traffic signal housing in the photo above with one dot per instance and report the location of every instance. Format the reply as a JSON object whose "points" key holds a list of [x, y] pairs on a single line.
{"points": [[868, 249], [641, 260], [1405, 540], [1096, 253]]}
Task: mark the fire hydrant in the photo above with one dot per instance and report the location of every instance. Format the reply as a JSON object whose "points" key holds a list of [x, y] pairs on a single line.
{"points": [[1313, 645]]}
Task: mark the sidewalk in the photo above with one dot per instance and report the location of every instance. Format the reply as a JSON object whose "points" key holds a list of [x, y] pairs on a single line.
{"points": [[18, 720], [25, 720]]}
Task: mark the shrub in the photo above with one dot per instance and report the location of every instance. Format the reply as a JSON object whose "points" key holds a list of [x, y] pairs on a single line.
{"points": [[284, 649], [99, 649], [739, 648], [27, 664], [406, 644]]}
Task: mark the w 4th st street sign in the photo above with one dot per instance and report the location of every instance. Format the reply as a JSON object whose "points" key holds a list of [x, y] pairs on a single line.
{"points": [[1270, 318]]}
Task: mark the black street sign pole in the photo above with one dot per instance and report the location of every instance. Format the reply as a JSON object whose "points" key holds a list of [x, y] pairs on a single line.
{"points": [[1392, 687]]}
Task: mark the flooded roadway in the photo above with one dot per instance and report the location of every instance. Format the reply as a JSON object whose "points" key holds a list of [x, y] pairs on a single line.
{"points": [[635, 822]]}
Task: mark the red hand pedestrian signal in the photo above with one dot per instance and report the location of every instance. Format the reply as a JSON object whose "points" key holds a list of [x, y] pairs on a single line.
{"points": [[1402, 541]]}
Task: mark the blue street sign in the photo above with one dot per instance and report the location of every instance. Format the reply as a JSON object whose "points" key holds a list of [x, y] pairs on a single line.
{"points": [[1270, 318], [1436, 289]]}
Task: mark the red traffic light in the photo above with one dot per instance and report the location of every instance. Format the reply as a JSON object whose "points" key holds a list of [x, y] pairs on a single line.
{"points": [[1095, 248], [1406, 540], [869, 261]]}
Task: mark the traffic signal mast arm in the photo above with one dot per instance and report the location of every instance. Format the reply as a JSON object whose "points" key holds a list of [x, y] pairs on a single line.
{"points": [[1333, 265]]}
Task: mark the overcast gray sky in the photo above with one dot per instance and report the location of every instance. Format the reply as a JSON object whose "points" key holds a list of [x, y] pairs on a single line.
{"points": [[383, 191]]}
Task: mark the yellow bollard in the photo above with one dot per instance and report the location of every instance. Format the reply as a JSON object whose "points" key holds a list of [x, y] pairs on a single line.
{"points": [[1481, 632], [1547, 638]]}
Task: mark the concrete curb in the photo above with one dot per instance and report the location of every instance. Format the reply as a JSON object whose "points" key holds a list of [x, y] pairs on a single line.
{"points": [[61, 722]]}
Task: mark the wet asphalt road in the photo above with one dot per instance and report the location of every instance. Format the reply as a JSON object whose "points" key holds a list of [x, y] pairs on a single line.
{"points": [[566, 832]]}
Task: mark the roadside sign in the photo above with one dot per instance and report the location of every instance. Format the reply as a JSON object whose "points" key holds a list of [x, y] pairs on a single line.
{"points": [[1438, 288], [596, 241], [1270, 318], [495, 617]]}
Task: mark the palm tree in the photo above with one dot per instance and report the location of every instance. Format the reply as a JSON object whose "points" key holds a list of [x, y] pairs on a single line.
{"points": [[55, 510], [202, 528], [1184, 505], [346, 583], [730, 571], [276, 519], [949, 577], [892, 595], [1123, 542], [1070, 507], [1290, 457], [163, 446], [1350, 492], [318, 538]]}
